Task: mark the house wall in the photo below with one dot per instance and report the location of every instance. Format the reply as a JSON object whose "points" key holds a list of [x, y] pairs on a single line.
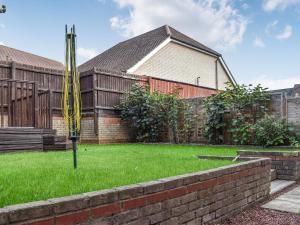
{"points": [[183, 64]]}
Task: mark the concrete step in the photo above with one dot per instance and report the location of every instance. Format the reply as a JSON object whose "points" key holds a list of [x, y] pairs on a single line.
{"points": [[288, 202], [279, 185], [273, 175]]}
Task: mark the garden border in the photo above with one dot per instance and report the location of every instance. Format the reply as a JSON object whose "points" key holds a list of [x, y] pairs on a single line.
{"points": [[203, 197]]}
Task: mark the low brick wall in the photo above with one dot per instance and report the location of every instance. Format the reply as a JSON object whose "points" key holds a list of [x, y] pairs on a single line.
{"points": [[197, 198], [286, 163], [110, 128], [58, 124]]}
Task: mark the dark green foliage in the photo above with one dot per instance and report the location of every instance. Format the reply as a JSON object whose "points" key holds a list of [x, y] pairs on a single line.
{"points": [[271, 131], [236, 109], [151, 114], [215, 109]]}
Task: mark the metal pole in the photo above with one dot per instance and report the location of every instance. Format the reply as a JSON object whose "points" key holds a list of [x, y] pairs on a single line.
{"points": [[74, 153], [72, 78]]}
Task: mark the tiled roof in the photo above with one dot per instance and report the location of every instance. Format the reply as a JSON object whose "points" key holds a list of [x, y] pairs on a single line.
{"points": [[124, 55], [11, 54]]}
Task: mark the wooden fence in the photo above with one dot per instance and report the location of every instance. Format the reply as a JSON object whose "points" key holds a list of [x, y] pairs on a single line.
{"points": [[22, 105], [45, 79], [101, 90]]}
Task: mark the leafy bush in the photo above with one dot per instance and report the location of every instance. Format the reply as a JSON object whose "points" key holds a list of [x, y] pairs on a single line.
{"points": [[271, 131], [150, 114], [236, 109]]}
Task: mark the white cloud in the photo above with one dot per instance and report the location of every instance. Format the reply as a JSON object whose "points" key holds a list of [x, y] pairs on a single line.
{"points": [[273, 84], [2, 43], [271, 5], [286, 33], [87, 53], [270, 28], [214, 22], [245, 6], [259, 43]]}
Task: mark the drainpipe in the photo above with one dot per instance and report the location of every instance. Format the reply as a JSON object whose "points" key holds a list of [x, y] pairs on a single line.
{"points": [[216, 74]]}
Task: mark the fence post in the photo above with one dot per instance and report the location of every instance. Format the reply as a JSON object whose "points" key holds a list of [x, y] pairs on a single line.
{"points": [[95, 103], [9, 112], [50, 108], [35, 105], [13, 71]]}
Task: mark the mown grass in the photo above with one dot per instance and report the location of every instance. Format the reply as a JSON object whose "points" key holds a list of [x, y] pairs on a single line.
{"points": [[31, 176]]}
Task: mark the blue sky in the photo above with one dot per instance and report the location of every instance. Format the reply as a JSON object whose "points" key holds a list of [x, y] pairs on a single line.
{"points": [[259, 39]]}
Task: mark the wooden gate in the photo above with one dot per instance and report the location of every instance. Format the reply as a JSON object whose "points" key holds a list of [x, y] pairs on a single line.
{"points": [[22, 105], [44, 119]]}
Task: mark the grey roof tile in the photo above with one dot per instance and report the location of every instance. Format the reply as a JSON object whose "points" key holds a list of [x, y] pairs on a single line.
{"points": [[124, 55], [11, 54]]}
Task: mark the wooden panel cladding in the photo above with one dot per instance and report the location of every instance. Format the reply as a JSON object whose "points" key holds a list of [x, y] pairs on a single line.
{"points": [[46, 79], [22, 105], [103, 90], [185, 90], [44, 119]]}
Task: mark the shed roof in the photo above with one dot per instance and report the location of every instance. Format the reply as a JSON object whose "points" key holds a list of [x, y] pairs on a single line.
{"points": [[18, 56], [125, 55]]}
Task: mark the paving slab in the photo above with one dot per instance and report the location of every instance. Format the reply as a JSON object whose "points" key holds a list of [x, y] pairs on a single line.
{"points": [[288, 202], [279, 185]]}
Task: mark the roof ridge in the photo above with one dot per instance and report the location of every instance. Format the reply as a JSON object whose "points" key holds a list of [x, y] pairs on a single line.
{"points": [[169, 33]]}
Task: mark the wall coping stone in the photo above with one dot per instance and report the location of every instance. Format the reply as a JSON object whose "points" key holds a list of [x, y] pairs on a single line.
{"points": [[291, 153]]}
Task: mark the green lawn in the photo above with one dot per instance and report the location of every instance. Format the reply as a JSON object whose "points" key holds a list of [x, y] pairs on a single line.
{"points": [[32, 176]]}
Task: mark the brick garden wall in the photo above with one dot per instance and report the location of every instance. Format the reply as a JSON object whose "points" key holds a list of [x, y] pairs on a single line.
{"points": [[202, 197], [58, 124], [286, 163], [110, 129]]}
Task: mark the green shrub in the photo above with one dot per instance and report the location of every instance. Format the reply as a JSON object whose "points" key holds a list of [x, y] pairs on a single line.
{"points": [[235, 110], [151, 114], [271, 131]]}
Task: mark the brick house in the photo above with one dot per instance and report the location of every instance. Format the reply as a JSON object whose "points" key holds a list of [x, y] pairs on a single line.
{"points": [[163, 58]]}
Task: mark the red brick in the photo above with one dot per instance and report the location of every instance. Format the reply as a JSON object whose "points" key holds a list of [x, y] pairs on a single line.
{"points": [[73, 218], [195, 187], [112, 120], [174, 193], [49, 221], [134, 203], [106, 210], [157, 197]]}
